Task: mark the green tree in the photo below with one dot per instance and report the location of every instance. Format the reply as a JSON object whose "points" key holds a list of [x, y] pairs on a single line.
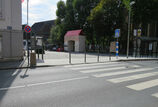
{"points": [[61, 10], [105, 18], [57, 32], [82, 9]]}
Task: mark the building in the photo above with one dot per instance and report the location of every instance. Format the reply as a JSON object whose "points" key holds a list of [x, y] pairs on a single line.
{"points": [[42, 29], [74, 41], [11, 37], [146, 43]]}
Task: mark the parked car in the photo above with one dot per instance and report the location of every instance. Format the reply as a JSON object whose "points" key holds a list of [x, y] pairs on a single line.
{"points": [[60, 49], [51, 47]]}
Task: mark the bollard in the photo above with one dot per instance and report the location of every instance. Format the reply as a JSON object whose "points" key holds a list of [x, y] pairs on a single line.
{"points": [[38, 53], [98, 55], [33, 59], [110, 56], [85, 56], [42, 52], [69, 57]]}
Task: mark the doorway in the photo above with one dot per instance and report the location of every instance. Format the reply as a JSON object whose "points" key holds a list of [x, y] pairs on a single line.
{"points": [[71, 46]]}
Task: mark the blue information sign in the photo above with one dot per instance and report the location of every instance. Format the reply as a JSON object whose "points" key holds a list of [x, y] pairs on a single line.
{"points": [[117, 33]]}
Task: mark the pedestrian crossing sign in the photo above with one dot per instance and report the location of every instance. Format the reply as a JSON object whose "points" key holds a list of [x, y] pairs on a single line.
{"points": [[117, 33]]}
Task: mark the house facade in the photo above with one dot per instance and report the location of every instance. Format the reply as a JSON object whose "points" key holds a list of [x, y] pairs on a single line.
{"points": [[74, 41], [11, 36]]}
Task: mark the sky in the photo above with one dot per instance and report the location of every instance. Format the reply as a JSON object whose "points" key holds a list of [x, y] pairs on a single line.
{"points": [[39, 10]]}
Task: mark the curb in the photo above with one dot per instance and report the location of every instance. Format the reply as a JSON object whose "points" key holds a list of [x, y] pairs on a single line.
{"points": [[42, 66], [125, 60]]}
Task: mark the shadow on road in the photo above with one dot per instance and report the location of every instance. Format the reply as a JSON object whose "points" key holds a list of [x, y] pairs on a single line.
{"points": [[25, 74], [7, 77]]}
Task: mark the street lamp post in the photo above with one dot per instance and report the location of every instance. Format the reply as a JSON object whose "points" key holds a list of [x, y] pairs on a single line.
{"points": [[129, 23]]}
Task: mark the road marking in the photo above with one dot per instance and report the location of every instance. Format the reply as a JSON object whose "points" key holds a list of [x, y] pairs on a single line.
{"points": [[83, 65], [96, 67], [123, 72], [144, 85], [103, 70], [155, 95], [66, 80], [133, 77], [44, 83]]}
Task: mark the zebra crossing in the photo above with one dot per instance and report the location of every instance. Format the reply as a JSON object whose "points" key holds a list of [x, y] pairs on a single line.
{"points": [[116, 72]]}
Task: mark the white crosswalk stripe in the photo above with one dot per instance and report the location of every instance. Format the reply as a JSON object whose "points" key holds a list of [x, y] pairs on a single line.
{"points": [[94, 64], [155, 95], [103, 69], [135, 72], [96, 67], [133, 77], [123, 72], [144, 85]]}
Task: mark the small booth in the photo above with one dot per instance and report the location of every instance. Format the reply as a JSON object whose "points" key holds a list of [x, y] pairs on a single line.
{"points": [[74, 41]]}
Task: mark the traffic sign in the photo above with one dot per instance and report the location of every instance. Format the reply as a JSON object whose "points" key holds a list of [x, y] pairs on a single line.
{"points": [[139, 32], [135, 32], [117, 33], [113, 47], [27, 29]]}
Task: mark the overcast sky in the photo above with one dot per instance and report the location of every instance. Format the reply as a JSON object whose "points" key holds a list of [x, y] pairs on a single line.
{"points": [[39, 10]]}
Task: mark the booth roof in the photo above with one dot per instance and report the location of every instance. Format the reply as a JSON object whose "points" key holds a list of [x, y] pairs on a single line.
{"points": [[74, 33]]}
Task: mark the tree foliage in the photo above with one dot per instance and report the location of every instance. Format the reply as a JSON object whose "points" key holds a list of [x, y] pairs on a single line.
{"points": [[105, 18], [100, 18]]}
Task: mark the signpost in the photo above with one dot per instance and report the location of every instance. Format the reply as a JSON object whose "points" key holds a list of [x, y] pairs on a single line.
{"points": [[27, 30], [117, 35]]}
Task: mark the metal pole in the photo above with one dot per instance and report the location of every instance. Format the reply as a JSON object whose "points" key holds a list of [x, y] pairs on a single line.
{"points": [[38, 52], [117, 49], [27, 12], [42, 50], [129, 20], [70, 57], [85, 54], [27, 33], [109, 56], [98, 53]]}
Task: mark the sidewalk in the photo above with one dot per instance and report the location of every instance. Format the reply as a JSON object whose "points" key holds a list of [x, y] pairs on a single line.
{"points": [[65, 61], [13, 64]]}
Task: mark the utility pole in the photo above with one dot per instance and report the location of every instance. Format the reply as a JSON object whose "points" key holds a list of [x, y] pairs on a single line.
{"points": [[28, 54], [129, 20], [129, 24]]}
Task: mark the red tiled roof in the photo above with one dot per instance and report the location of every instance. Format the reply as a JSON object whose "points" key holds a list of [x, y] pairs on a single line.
{"points": [[74, 33]]}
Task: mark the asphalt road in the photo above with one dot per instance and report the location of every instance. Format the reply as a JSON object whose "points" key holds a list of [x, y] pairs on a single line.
{"points": [[111, 84]]}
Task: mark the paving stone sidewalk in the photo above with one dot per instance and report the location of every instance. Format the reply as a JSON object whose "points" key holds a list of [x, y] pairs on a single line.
{"points": [[62, 58]]}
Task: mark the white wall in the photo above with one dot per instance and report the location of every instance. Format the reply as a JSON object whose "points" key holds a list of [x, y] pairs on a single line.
{"points": [[11, 14], [82, 40], [12, 39]]}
